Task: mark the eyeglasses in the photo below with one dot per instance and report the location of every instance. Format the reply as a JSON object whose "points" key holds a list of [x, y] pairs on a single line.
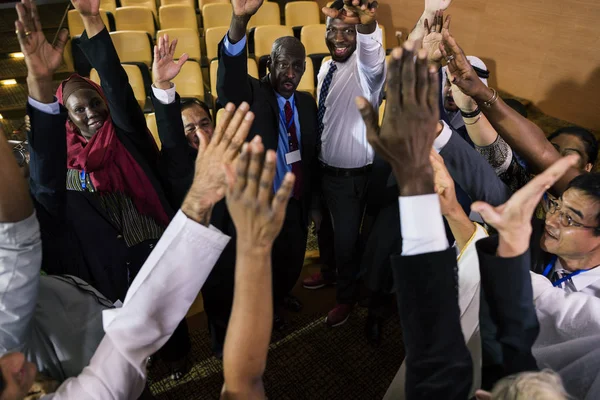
{"points": [[565, 219]]}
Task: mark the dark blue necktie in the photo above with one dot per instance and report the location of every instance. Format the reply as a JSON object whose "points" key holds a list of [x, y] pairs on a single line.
{"points": [[323, 96]]}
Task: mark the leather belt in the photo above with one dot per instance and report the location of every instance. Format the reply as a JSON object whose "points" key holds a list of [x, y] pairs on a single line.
{"points": [[334, 171]]}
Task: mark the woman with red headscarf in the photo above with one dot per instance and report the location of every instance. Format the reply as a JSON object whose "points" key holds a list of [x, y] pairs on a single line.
{"points": [[100, 204]]}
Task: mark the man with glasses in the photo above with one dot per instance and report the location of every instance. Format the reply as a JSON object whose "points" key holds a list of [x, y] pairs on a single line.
{"points": [[569, 241]]}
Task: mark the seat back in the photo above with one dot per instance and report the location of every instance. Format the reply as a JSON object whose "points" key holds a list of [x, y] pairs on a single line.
{"points": [[202, 3], [153, 128], [133, 46], [135, 18], [214, 67], [135, 80], [313, 38], [307, 83], [188, 41], [300, 13], [189, 3], [381, 111], [267, 14], [216, 14], [264, 36], [75, 22], [178, 16], [149, 4], [108, 5], [213, 37], [189, 81]]}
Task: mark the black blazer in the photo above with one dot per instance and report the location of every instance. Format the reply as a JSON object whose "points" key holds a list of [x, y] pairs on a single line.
{"points": [[78, 237], [235, 85], [438, 363]]}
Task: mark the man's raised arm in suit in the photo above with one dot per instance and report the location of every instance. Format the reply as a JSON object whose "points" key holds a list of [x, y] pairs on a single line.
{"points": [[233, 81], [437, 360]]}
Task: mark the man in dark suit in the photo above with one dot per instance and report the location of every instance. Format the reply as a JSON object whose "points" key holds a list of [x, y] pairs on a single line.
{"points": [[287, 122]]}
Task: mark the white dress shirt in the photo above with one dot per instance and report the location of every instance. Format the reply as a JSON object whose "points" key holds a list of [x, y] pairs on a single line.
{"points": [[587, 282], [344, 139], [156, 302], [165, 96]]}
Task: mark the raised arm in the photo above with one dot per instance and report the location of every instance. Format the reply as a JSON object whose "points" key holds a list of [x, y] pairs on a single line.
{"points": [[98, 47], [421, 30], [523, 136], [233, 81], [258, 221]]}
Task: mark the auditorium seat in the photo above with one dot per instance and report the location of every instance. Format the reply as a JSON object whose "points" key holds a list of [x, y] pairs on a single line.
{"points": [[264, 37], [75, 22], [267, 14], [300, 13], [133, 46], [381, 111], [313, 38], [108, 5], [189, 3], [383, 42], [307, 83], [202, 3], [189, 81], [135, 18], [68, 56], [188, 42], [214, 66], [177, 16], [134, 74], [153, 128], [213, 37], [217, 14], [219, 115], [149, 4]]}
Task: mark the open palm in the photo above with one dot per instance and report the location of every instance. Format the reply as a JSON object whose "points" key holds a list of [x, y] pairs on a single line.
{"points": [[164, 69], [41, 57], [246, 7]]}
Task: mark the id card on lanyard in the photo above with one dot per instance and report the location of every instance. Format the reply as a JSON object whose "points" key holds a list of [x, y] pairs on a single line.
{"points": [[558, 283], [291, 156]]}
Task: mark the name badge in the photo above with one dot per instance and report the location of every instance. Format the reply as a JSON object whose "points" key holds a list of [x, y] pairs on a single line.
{"points": [[292, 157]]}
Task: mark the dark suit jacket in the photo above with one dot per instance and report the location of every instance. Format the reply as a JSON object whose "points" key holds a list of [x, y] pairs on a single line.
{"points": [[438, 363], [78, 237], [235, 85]]}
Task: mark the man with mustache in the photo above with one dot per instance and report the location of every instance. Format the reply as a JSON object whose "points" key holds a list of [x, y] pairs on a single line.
{"points": [[357, 68], [287, 122]]}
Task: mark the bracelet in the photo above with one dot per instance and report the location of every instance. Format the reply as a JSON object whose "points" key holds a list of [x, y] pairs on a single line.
{"points": [[474, 122], [492, 100], [471, 114]]}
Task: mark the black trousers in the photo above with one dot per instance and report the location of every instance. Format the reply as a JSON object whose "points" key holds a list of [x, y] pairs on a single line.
{"points": [[326, 244], [345, 197]]}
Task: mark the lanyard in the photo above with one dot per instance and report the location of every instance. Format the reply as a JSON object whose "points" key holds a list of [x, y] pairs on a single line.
{"points": [[282, 116], [82, 179], [564, 278]]}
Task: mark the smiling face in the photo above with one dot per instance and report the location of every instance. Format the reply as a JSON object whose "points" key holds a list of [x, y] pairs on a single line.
{"points": [[87, 110], [286, 66], [18, 375], [340, 39], [572, 242], [195, 118]]}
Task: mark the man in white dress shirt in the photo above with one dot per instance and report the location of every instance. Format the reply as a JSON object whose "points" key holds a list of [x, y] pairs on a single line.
{"points": [[357, 68]]}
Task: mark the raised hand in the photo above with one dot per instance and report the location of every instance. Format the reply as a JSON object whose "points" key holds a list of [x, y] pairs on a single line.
{"points": [[443, 184], [209, 184], [411, 117], [434, 5], [87, 8], [256, 214], [354, 12], [245, 8], [461, 72], [433, 38], [164, 69], [42, 59], [512, 219]]}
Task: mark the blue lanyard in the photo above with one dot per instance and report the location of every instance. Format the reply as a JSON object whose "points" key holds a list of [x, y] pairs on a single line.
{"points": [[282, 116], [564, 278], [82, 179]]}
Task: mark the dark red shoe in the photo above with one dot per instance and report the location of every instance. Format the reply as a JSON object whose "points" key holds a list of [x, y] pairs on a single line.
{"points": [[316, 281], [339, 315]]}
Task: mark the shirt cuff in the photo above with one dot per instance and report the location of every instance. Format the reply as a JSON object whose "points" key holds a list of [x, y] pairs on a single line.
{"points": [[50, 108], [165, 96], [442, 140], [233, 50], [422, 225]]}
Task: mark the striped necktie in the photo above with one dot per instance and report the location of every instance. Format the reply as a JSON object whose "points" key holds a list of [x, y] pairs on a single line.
{"points": [[323, 96]]}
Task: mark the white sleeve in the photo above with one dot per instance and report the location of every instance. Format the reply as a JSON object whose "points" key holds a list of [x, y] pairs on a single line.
{"points": [[371, 61], [51, 108], [164, 96], [422, 225], [233, 49], [156, 302], [443, 138], [20, 262]]}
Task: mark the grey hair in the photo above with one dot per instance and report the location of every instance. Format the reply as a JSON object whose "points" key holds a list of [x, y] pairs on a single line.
{"points": [[543, 385], [288, 43]]}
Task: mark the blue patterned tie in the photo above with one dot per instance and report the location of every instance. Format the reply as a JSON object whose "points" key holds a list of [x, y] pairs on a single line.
{"points": [[323, 96]]}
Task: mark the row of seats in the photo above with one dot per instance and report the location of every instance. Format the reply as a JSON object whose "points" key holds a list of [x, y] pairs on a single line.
{"points": [[112, 5]]}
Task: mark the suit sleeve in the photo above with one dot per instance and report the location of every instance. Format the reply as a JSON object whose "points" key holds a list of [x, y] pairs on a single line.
{"points": [[233, 81], [506, 284], [473, 173], [124, 108], [437, 360]]}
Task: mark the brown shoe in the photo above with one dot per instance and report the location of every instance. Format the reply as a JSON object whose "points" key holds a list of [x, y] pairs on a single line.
{"points": [[339, 315], [316, 281]]}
